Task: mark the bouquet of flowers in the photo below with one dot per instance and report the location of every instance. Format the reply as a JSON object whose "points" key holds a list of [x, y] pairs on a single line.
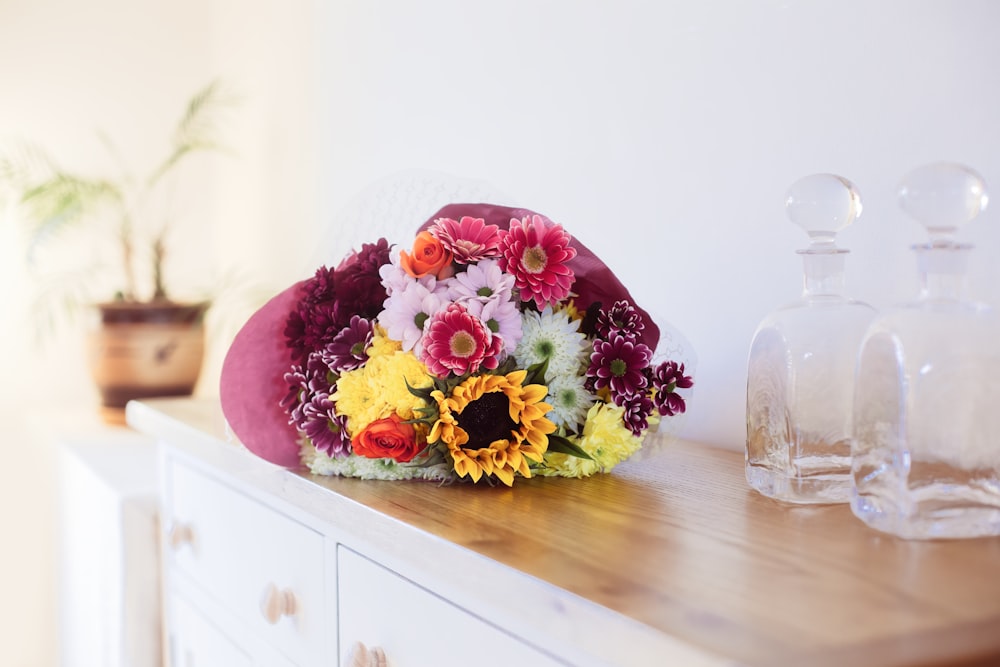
{"points": [[495, 345]]}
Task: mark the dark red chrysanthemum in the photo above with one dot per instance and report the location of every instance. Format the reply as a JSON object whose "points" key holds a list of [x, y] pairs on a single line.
{"points": [[348, 349], [536, 254], [359, 285], [311, 325], [665, 379], [618, 364], [622, 319]]}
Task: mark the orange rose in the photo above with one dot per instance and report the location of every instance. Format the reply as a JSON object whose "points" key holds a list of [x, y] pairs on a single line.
{"points": [[389, 438], [429, 258]]}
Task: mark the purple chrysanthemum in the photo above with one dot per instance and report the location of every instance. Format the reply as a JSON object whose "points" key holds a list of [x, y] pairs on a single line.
{"points": [[638, 408], [622, 319], [349, 347], [325, 429], [310, 409], [665, 379], [619, 364]]}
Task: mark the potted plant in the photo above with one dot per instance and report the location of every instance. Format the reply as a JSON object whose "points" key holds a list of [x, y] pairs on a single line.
{"points": [[145, 342]]}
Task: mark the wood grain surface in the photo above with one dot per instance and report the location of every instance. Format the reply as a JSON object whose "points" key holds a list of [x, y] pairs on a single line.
{"points": [[679, 542]]}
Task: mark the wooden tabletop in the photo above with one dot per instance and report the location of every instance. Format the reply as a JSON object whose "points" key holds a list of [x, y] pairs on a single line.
{"points": [[679, 542]]}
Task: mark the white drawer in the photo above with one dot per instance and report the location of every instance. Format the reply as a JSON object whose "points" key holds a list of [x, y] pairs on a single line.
{"points": [[414, 627], [239, 552], [195, 642]]}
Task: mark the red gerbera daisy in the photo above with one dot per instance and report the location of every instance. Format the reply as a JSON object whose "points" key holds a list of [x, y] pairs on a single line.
{"points": [[535, 253], [469, 239], [458, 342]]}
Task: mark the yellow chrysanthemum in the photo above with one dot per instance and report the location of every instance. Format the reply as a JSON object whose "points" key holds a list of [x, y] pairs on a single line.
{"points": [[381, 343], [572, 312], [605, 437], [492, 425], [378, 389]]}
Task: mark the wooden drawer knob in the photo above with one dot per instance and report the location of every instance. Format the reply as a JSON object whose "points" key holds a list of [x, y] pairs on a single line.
{"points": [[179, 535], [362, 656], [276, 603]]}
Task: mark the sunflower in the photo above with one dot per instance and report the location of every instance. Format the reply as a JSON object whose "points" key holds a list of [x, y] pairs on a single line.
{"points": [[492, 424]]}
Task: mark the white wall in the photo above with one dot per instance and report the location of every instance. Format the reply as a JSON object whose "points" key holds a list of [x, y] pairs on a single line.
{"points": [[680, 124]]}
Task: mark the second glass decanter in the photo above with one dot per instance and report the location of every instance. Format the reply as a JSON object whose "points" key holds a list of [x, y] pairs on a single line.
{"points": [[801, 365], [926, 448]]}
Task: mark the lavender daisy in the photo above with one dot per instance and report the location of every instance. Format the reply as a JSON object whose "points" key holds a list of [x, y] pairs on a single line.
{"points": [[406, 312], [484, 280]]}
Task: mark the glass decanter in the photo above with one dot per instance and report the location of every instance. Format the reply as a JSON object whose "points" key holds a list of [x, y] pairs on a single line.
{"points": [[926, 447], [800, 372]]}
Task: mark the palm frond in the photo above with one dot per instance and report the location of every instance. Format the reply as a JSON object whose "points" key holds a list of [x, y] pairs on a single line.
{"points": [[196, 127], [62, 199]]}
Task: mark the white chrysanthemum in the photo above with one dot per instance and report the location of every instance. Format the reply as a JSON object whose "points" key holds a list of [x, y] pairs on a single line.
{"points": [[570, 401], [365, 468], [553, 336]]}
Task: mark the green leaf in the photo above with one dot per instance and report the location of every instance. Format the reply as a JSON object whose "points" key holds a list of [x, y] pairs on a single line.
{"points": [[561, 445], [536, 373]]}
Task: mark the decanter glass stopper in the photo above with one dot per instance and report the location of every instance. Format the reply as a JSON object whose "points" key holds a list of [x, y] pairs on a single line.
{"points": [[822, 205], [800, 371], [943, 197]]}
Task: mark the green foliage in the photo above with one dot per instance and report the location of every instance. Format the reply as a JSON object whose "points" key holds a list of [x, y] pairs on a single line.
{"points": [[52, 200]]}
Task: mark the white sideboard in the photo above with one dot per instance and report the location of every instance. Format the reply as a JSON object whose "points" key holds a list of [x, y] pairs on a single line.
{"points": [[670, 560], [109, 560]]}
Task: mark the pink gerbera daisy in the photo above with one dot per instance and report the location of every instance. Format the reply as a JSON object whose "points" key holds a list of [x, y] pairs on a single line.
{"points": [[536, 255], [458, 342], [469, 239]]}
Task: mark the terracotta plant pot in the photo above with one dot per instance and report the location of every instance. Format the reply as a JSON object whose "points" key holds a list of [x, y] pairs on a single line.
{"points": [[143, 350]]}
